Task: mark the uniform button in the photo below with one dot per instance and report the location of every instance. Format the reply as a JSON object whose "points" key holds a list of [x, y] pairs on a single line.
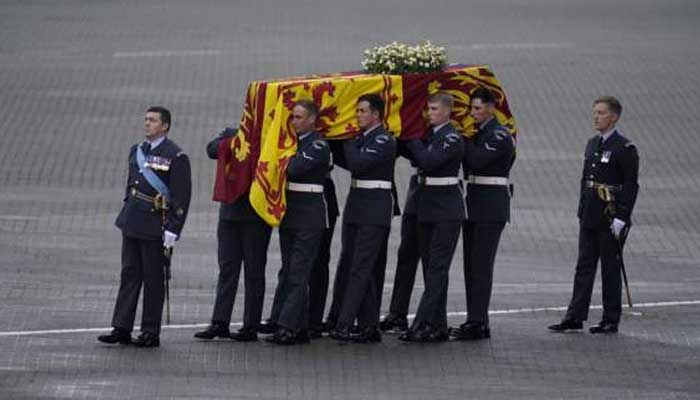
{"points": [[593, 164], [136, 182], [590, 176]]}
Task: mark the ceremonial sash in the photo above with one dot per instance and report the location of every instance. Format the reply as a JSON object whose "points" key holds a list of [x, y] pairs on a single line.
{"points": [[151, 177]]}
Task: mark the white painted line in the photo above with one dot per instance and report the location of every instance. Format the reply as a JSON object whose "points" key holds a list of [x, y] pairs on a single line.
{"points": [[18, 217], [168, 53], [452, 314], [519, 46]]}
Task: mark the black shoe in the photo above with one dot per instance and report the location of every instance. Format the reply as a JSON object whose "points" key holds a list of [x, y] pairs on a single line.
{"points": [[370, 334], [604, 327], [425, 334], [340, 333], [283, 336], [268, 327], [245, 335], [315, 333], [303, 337], [117, 335], [327, 326], [216, 329], [394, 323], [471, 331], [566, 325], [147, 339]]}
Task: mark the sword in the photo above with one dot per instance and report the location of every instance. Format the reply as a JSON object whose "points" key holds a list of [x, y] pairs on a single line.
{"points": [[620, 246], [167, 255], [605, 195]]}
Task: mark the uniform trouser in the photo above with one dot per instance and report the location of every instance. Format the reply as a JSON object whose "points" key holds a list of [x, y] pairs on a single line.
{"points": [[480, 241], [363, 246], [299, 249], [318, 283], [142, 264], [406, 265], [437, 242], [594, 244], [241, 242]]}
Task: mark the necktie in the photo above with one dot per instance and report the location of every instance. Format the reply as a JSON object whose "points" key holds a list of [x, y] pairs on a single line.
{"points": [[600, 143], [146, 148]]}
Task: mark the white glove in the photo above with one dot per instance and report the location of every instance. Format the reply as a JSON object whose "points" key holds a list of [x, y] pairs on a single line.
{"points": [[616, 227], [169, 239]]}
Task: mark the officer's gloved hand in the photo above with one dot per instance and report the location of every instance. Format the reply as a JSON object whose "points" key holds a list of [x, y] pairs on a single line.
{"points": [[616, 227], [169, 239]]}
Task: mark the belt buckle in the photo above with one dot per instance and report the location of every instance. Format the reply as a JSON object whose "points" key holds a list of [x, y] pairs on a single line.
{"points": [[159, 202], [604, 193]]}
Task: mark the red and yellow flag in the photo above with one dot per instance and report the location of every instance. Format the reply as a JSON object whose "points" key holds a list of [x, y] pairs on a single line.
{"points": [[258, 156]]}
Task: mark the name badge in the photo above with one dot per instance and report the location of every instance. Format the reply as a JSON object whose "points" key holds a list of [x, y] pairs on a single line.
{"points": [[606, 157]]}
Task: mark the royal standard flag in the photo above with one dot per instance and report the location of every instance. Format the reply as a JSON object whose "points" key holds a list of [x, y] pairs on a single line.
{"points": [[267, 138]]}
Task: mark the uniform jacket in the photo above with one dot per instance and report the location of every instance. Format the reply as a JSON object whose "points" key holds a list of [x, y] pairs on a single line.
{"points": [[309, 165], [138, 218], [491, 152], [615, 162], [240, 210], [369, 157], [439, 155]]}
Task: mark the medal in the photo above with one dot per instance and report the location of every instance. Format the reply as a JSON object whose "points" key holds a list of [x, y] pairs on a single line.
{"points": [[606, 157]]}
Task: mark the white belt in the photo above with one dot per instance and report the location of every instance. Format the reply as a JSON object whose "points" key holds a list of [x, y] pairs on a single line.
{"points": [[304, 187], [370, 184], [438, 181], [488, 180]]}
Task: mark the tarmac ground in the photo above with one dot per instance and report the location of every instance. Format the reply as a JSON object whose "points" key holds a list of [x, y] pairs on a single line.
{"points": [[76, 77]]}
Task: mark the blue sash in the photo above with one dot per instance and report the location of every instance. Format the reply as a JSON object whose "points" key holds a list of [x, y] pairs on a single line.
{"points": [[151, 176]]}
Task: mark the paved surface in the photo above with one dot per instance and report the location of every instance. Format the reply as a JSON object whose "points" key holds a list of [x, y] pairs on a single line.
{"points": [[75, 78]]}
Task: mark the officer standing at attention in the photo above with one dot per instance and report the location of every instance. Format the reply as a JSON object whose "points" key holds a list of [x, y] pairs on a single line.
{"points": [[488, 158], [608, 193], [440, 213], [155, 207], [243, 238], [367, 217], [302, 227]]}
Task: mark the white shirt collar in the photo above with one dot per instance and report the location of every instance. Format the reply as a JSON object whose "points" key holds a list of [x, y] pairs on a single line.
{"points": [[607, 134], [437, 128], [305, 135], [155, 142], [365, 133]]}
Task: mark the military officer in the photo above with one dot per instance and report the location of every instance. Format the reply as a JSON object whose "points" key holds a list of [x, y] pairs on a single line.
{"points": [[440, 212], [367, 217], [608, 193], [155, 207], [488, 158], [243, 238], [302, 226]]}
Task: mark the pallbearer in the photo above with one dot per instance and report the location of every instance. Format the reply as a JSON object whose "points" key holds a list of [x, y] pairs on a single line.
{"points": [[302, 227], [488, 158], [440, 212]]}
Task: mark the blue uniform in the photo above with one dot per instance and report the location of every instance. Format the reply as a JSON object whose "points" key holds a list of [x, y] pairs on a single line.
{"points": [[366, 223], [301, 230], [142, 225], [440, 211], [488, 158], [615, 163]]}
